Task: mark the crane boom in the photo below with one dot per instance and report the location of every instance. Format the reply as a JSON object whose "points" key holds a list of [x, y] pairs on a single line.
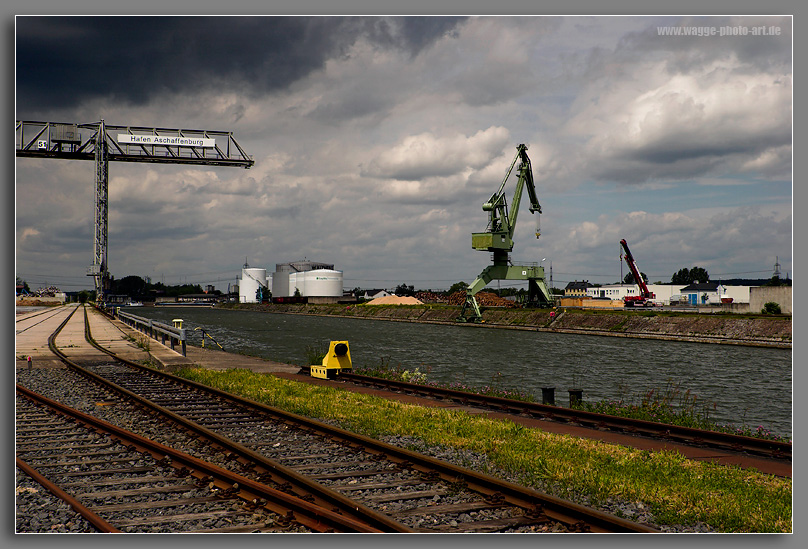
{"points": [[498, 236], [645, 294]]}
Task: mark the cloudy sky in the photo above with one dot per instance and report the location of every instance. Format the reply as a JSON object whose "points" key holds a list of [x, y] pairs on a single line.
{"points": [[376, 140]]}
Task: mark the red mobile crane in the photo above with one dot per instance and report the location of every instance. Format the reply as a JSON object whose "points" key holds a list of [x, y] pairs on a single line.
{"points": [[644, 299]]}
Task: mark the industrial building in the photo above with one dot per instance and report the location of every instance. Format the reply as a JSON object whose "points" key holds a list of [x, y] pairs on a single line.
{"points": [[710, 293], [319, 282]]}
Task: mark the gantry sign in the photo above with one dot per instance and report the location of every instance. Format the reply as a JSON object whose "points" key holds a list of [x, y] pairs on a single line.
{"points": [[104, 143]]}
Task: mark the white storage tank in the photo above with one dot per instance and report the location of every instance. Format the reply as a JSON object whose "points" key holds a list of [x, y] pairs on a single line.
{"points": [[280, 280], [322, 283], [280, 284], [297, 281], [251, 280]]}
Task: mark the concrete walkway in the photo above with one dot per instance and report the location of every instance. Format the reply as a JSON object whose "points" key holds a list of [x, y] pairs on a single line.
{"points": [[34, 329]]}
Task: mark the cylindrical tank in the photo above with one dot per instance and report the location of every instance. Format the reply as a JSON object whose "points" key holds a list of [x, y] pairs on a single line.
{"points": [[297, 281], [280, 284], [251, 280], [280, 280], [322, 283]]}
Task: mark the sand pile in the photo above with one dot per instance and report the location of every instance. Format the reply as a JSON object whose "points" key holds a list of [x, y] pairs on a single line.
{"points": [[395, 300]]}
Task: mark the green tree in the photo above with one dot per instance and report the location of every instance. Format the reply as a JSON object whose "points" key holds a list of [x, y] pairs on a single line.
{"points": [[629, 278], [698, 274], [458, 287], [404, 290], [689, 276], [24, 284], [682, 276], [777, 281], [131, 285]]}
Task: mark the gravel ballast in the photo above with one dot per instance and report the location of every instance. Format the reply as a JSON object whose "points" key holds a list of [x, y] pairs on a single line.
{"points": [[38, 511]]}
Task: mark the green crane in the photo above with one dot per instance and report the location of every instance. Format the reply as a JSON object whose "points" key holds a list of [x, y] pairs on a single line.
{"points": [[498, 239]]}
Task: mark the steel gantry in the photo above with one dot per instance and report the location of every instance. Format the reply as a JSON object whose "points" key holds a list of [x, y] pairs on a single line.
{"points": [[104, 143]]}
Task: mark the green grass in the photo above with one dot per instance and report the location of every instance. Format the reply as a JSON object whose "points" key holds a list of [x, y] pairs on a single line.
{"points": [[679, 491]]}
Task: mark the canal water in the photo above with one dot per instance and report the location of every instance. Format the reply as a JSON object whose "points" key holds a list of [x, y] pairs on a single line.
{"points": [[741, 386]]}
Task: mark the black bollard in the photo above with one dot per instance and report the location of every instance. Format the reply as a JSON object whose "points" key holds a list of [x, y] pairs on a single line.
{"points": [[576, 396], [548, 395]]}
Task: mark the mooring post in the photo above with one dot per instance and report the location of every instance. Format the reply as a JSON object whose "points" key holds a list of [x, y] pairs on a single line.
{"points": [[576, 396], [548, 395]]}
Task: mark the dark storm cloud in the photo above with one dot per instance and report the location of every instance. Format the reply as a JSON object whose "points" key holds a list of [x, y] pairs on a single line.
{"points": [[63, 61]]}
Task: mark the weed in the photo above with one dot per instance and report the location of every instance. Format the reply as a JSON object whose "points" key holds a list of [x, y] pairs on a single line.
{"points": [[316, 353]]}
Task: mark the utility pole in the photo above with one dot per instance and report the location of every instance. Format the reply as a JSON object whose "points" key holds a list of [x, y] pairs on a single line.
{"points": [[551, 276]]}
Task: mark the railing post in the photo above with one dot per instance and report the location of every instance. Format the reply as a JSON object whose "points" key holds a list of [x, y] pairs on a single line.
{"points": [[182, 336]]}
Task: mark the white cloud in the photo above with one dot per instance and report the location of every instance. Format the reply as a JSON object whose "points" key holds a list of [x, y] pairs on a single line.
{"points": [[654, 125], [428, 155]]}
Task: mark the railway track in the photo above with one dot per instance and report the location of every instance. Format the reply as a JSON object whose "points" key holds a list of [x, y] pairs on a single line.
{"points": [[770, 449], [119, 481], [403, 490], [26, 322]]}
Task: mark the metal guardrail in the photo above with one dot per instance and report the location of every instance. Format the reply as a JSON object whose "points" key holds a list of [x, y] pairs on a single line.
{"points": [[155, 329]]}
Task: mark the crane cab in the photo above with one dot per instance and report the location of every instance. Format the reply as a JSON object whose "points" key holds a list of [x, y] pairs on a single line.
{"points": [[491, 241]]}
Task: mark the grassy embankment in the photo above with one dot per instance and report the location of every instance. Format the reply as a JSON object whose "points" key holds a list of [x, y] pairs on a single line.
{"points": [[677, 490], [755, 329]]}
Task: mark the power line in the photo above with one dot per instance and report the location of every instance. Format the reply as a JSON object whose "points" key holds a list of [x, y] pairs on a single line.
{"points": [[745, 272]]}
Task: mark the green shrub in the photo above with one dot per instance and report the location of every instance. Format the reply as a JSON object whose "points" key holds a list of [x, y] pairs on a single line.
{"points": [[771, 308]]}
